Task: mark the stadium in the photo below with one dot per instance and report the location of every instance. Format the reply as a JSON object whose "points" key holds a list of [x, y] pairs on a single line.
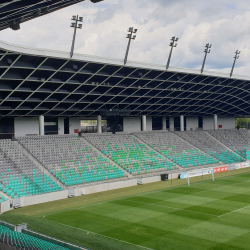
{"points": [[98, 154]]}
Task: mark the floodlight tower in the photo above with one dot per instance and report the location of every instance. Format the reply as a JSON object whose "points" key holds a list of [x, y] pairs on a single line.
{"points": [[172, 45], [206, 51], [76, 26], [237, 53], [130, 36]]}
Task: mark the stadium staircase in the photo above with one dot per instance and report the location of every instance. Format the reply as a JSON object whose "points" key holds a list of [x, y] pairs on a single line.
{"points": [[178, 134], [178, 166]]}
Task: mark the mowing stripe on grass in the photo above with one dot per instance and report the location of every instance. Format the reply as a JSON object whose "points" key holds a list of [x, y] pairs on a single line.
{"points": [[173, 208], [99, 234]]}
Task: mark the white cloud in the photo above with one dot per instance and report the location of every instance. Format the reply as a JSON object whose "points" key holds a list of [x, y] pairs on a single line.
{"points": [[223, 23]]}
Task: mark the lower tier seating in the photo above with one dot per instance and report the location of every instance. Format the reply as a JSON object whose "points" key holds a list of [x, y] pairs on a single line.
{"points": [[210, 145], [128, 152], [71, 159], [24, 241], [176, 149], [19, 176]]}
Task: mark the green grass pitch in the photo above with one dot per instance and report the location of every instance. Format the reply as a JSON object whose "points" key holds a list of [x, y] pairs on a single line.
{"points": [[205, 215]]}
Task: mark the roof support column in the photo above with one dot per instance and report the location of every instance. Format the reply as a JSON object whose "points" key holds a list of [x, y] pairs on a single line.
{"points": [[144, 123], [215, 122], [99, 124], [182, 122], [41, 125]]}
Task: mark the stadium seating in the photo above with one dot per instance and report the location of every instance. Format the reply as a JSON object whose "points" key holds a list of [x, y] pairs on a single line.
{"points": [[211, 146], [176, 149], [127, 151], [237, 140], [24, 241], [19, 176], [71, 159]]}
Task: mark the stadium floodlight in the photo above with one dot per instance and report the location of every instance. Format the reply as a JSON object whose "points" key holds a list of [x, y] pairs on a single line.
{"points": [[237, 56], [130, 36], [173, 44], [206, 51], [75, 26]]}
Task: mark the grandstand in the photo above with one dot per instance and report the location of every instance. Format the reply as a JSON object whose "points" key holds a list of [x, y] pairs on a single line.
{"points": [[170, 123]]}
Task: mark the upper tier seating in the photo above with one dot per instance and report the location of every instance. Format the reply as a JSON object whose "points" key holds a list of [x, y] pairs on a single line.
{"points": [[19, 176], [127, 151], [208, 144], [25, 241], [174, 148], [71, 159]]}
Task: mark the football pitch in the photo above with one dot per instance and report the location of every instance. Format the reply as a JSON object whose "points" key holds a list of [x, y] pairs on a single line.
{"points": [[205, 215]]}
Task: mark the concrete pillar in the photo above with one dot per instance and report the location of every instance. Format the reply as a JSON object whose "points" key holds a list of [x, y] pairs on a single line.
{"points": [[99, 124], [171, 123], [144, 123], [215, 122], [164, 123], [41, 125], [182, 122]]}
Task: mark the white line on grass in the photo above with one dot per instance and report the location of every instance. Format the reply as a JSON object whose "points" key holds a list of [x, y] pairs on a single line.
{"points": [[234, 211], [173, 208], [99, 234]]}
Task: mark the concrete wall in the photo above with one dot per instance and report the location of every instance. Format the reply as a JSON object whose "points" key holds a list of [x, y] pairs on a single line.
{"points": [[131, 124], [208, 123], [5, 206], [226, 122], [74, 123], [26, 126], [42, 198], [105, 187], [171, 123], [149, 124], [192, 122], [61, 126]]}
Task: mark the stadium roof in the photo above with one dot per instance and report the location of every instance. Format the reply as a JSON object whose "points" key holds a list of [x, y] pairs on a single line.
{"points": [[14, 12], [44, 82]]}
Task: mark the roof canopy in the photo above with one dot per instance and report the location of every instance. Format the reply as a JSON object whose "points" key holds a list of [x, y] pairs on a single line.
{"points": [[44, 82], [15, 12]]}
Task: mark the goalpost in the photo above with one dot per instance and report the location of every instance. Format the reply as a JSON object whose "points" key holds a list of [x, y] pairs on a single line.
{"points": [[199, 172]]}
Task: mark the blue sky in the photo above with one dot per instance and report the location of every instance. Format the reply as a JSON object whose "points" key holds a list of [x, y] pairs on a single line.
{"points": [[224, 24]]}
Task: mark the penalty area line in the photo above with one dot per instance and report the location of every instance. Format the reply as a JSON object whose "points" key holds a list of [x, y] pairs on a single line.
{"points": [[99, 234], [233, 211]]}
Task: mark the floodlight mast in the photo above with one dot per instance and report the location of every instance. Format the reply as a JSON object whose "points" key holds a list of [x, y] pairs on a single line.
{"points": [[206, 51], [172, 45], [75, 26], [130, 36], [237, 53]]}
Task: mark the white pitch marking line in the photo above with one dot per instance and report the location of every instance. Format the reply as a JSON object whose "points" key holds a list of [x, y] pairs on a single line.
{"points": [[173, 208], [101, 235], [234, 211]]}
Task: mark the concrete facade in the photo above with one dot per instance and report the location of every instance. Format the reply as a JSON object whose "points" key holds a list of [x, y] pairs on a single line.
{"points": [[131, 124], [61, 126], [26, 126], [226, 122], [171, 123], [74, 123], [192, 123], [149, 124]]}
